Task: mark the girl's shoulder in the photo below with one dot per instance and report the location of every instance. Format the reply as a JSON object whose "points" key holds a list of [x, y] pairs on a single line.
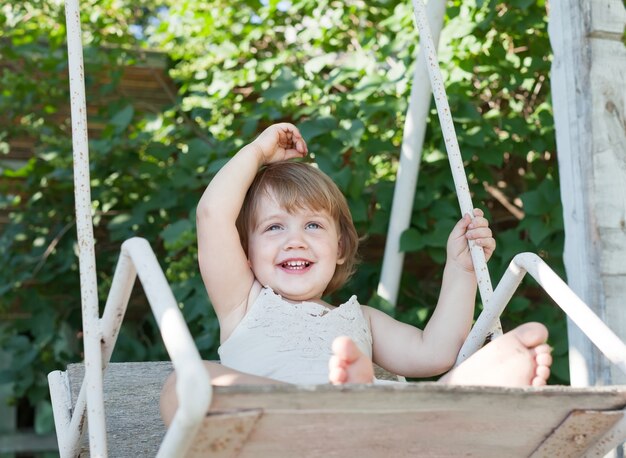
{"points": [[374, 314]]}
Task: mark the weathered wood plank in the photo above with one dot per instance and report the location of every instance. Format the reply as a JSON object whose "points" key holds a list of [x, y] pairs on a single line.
{"points": [[580, 429], [606, 18], [225, 434], [423, 419], [132, 390]]}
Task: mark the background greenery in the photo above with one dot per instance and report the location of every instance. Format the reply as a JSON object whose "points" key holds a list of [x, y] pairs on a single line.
{"points": [[341, 71]]}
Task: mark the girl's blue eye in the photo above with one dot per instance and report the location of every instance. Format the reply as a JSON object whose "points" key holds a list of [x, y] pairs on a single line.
{"points": [[273, 227], [313, 226]]}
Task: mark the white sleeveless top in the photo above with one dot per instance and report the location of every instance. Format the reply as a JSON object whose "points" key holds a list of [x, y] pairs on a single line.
{"points": [[292, 342]]}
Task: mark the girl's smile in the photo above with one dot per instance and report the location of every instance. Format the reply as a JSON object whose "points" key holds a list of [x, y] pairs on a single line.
{"points": [[296, 265]]}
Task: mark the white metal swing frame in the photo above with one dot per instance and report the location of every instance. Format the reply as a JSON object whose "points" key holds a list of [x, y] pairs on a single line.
{"points": [[193, 384]]}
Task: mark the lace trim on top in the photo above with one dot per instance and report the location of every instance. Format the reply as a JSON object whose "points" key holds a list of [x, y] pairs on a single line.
{"points": [[285, 333]]}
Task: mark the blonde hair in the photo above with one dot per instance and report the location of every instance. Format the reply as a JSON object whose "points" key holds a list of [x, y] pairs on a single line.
{"points": [[296, 185]]}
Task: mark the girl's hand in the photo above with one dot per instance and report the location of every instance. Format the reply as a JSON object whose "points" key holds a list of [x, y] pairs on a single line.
{"points": [[280, 142], [468, 229]]}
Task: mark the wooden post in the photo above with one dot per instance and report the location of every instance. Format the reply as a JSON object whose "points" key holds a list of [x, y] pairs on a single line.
{"points": [[589, 98]]}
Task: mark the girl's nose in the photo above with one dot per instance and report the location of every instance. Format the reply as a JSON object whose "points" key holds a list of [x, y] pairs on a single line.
{"points": [[295, 241]]}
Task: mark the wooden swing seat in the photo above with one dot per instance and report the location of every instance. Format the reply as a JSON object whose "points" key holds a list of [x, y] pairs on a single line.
{"points": [[423, 419]]}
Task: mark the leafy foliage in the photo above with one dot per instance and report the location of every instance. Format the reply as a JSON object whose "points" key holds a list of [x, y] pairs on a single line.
{"points": [[341, 71]]}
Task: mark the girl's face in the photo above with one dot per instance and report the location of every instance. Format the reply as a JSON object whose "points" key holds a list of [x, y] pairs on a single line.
{"points": [[293, 253]]}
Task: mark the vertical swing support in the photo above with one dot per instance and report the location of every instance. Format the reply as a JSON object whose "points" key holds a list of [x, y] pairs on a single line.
{"points": [[454, 155], [86, 253], [193, 385]]}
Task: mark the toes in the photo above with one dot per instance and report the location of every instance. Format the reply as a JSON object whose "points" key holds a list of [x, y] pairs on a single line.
{"points": [[345, 349], [543, 372], [337, 376], [544, 359], [337, 373], [336, 362], [543, 348]]}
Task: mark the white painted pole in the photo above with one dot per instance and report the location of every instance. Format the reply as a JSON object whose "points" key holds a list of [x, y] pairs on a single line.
{"points": [[62, 409], [193, 384], [410, 158], [454, 154], [86, 253], [579, 312]]}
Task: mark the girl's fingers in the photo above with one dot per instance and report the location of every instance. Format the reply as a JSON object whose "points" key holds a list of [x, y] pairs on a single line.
{"points": [[487, 244], [479, 233], [293, 139], [301, 146], [479, 221]]}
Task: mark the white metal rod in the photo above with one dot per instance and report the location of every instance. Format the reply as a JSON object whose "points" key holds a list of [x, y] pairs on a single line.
{"points": [[116, 304], [588, 322], [410, 158], [114, 311], [454, 153], [485, 322], [87, 262], [67, 438], [193, 385], [78, 423]]}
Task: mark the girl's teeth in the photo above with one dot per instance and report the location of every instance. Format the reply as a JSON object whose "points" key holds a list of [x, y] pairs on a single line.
{"points": [[296, 264]]}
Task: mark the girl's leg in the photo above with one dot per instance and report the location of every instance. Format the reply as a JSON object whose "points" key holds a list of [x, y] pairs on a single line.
{"points": [[220, 376], [521, 357]]}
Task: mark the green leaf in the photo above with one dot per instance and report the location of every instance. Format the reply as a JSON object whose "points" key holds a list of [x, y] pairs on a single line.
{"points": [[444, 210], [285, 83], [518, 304], [358, 209], [538, 230], [316, 127], [316, 64], [122, 118], [411, 240], [536, 202], [178, 234]]}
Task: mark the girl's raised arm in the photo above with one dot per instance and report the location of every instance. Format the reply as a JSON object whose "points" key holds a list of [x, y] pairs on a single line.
{"points": [[225, 270]]}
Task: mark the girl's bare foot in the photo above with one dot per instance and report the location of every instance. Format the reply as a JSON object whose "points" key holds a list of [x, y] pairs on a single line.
{"points": [[349, 364], [519, 358]]}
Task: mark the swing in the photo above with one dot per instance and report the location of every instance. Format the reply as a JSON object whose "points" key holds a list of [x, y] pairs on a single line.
{"points": [[412, 419]]}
